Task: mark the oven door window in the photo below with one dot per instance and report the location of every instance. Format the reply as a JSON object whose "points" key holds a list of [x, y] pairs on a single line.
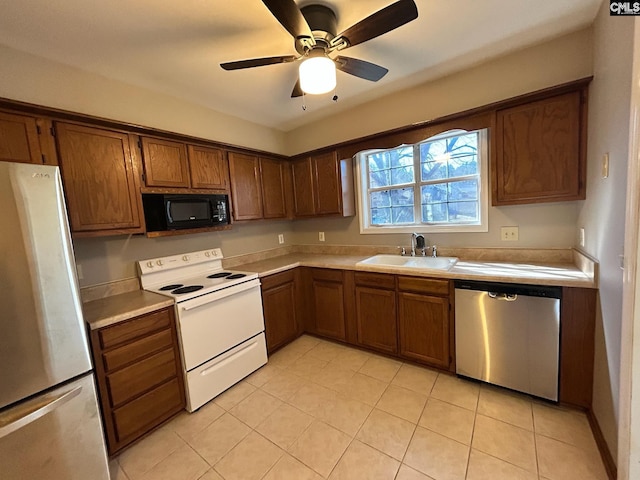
{"points": [[186, 211]]}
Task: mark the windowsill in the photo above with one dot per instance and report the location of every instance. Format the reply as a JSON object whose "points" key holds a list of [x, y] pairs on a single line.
{"points": [[424, 229]]}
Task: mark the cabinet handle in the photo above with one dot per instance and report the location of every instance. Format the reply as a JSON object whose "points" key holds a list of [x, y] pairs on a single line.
{"points": [[507, 297]]}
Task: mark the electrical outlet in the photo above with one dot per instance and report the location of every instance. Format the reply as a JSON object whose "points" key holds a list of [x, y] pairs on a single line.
{"points": [[79, 271], [281, 238], [509, 234], [582, 236], [321, 236]]}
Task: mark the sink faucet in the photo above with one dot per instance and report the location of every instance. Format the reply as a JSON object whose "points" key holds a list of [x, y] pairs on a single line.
{"points": [[417, 241], [434, 251]]}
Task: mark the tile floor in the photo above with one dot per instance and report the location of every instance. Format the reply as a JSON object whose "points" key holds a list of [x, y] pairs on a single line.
{"points": [[321, 410]]}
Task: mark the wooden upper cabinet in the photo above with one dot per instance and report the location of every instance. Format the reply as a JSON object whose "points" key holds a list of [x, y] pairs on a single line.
{"points": [[540, 153], [272, 173], [246, 186], [100, 175], [323, 185], [208, 167], [165, 163], [19, 140]]}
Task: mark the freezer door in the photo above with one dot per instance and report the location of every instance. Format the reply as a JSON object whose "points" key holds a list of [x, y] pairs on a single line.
{"points": [[42, 335], [57, 436]]}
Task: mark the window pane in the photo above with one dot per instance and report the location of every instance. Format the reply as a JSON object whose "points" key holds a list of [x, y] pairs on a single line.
{"points": [[378, 161], [380, 199], [402, 215], [402, 175], [380, 216], [434, 193], [380, 178], [434, 212], [466, 190], [433, 171], [402, 197], [449, 157], [463, 212]]}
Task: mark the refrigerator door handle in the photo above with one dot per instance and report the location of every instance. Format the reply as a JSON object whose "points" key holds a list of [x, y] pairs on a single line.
{"points": [[13, 420]]}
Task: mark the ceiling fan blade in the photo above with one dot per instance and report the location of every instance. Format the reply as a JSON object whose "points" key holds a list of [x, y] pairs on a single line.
{"points": [[297, 91], [379, 23], [360, 68], [257, 62], [290, 17]]}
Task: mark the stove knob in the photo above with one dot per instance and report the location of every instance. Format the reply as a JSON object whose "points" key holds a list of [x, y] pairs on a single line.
{"points": [[214, 253], [159, 263], [207, 254], [185, 258], [150, 264]]}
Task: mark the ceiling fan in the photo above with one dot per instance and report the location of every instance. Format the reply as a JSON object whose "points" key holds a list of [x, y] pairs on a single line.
{"points": [[313, 28]]}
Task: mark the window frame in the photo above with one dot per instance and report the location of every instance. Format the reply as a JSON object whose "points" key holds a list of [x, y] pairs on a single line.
{"points": [[363, 190]]}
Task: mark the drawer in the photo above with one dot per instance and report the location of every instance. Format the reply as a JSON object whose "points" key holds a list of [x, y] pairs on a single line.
{"points": [[136, 379], [376, 280], [129, 353], [277, 279], [326, 274], [135, 328], [138, 417], [423, 285]]}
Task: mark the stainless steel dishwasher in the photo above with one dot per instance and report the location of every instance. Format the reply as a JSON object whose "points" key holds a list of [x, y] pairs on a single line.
{"points": [[509, 335]]}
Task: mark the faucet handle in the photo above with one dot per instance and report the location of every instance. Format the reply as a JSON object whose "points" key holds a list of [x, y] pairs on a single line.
{"points": [[403, 251], [434, 251]]}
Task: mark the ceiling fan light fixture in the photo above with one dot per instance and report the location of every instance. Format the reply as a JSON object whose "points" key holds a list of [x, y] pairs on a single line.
{"points": [[317, 75]]}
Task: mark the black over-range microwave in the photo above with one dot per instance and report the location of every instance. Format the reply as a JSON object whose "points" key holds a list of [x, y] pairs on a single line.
{"points": [[178, 211]]}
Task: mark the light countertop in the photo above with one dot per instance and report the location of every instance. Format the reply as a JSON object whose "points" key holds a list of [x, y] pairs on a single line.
{"points": [[117, 308]]}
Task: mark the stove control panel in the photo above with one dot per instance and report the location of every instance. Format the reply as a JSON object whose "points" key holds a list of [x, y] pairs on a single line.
{"points": [[178, 261]]}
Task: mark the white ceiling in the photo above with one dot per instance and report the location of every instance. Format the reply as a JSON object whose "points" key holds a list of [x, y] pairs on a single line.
{"points": [[175, 47]]}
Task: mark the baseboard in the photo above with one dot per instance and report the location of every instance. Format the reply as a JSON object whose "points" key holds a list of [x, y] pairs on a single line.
{"points": [[605, 453]]}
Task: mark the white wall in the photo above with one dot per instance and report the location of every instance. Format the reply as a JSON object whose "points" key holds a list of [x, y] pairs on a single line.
{"points": [[602, 214]]}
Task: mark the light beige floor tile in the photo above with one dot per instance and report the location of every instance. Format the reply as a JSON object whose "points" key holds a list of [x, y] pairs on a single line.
{"points": [[313, 399], [402, 403], [360, 461], [285, 357], [215, 441], [506, 442], [326, 351], [437, 456], [506, 406], [565, 425], [333, 377], [288, 468], [346, 414], [414, 378], [148, 452], [486, 467], [364, 389], [408, 473], [349, 359], [284, 385], [255, 408], [251, 459], [211, 475], [381, 368], [561, 461], [448, 420], [307, 366], [183, 464], [234, 395], [304, 343], [285, 425], [116, 472], [463, 393], [186, 425], [387, 433], [262, 375], [320, 447]]}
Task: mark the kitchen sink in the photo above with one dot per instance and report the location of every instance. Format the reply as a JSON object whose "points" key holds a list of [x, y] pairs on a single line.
{"points": [[421, 263]]}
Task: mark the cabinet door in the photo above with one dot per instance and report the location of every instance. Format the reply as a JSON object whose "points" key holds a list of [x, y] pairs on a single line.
{"points": [[424, 328], [273, 194], [100, 179], [246, 186], [19, 140], [328, 186], [303, 188], [208, 167], [376, 318], [279, 308], [165, 163], [328, 304], [539, 157]]}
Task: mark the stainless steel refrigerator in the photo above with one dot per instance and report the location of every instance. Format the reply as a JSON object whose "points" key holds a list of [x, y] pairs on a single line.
{"points": [[50, 426]]}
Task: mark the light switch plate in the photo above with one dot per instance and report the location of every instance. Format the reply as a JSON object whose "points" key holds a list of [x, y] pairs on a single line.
{"points": [[281, 238], [509, 234], [321, 236], [605, 165]]}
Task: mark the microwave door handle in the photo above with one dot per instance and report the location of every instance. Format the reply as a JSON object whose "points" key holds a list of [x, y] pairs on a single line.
{"points": [[168, 205]]}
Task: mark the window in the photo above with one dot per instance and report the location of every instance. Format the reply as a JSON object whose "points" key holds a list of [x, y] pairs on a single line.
{"points": [[438, 185]]}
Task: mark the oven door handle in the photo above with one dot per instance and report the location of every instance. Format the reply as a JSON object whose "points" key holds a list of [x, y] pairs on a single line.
{"points": [[212, 297]]}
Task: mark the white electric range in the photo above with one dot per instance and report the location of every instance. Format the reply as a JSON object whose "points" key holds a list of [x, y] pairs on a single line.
{"points": [[219, 315]]}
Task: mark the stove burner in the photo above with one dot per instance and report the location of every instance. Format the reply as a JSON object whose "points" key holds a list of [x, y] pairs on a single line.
{"points": [[187, 289], [219, 275], [236, 275], [171, 287]]}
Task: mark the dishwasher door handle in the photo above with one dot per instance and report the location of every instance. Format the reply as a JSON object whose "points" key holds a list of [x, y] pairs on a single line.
{"points": [[507, 297]]}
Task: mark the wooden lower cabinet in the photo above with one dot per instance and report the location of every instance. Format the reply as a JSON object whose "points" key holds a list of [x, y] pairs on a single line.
{"points": [[375, 312], [327, 303], [139, 376], [279, 308]]}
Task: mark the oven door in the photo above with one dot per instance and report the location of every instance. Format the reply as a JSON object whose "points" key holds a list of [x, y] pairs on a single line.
{"points": [[216, 322]]}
